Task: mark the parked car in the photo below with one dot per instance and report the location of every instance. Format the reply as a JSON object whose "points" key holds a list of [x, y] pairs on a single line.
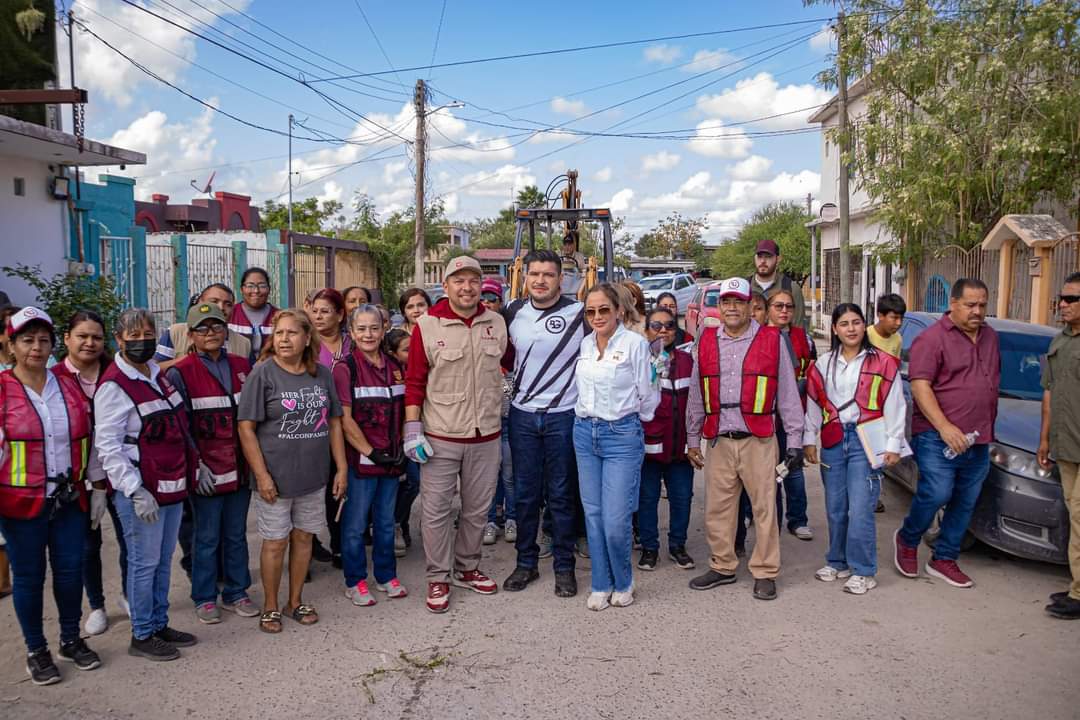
{"points": [[681, 285], [1021, 510], [705, 303]]}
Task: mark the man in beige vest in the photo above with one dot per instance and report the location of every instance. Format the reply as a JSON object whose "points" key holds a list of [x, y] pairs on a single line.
{"points": [[453, 418]]}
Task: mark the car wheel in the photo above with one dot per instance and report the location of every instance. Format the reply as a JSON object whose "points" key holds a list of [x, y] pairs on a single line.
{"points": [[931, 535]]}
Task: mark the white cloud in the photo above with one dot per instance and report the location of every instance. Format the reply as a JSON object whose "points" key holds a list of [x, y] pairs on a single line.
{"points": [[602, 175], [785, 186], [754, 167], [711, 60], [663, 54], [331, 191], [391, 171], [450, 203], [620, 201], [713, 139], [659, 162], [498, 183], [692, 194], [563, 106], [823, 41], [762, 96]]}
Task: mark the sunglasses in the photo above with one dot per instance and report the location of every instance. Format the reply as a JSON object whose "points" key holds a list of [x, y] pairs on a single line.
{"points": [[1068, 299], [490, 297], [597, 312], [208, 328], [783, 306], [657, 326]]}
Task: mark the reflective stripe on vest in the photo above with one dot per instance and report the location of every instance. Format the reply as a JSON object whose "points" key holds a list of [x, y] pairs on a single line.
{"points": [[654, 448], [18, 463], [759, 394], [873, 402], [680, 384], [378, 392]]}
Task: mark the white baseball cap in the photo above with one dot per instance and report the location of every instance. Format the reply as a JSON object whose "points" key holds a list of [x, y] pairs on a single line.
{"points": [[19, 320], [735, 287]]}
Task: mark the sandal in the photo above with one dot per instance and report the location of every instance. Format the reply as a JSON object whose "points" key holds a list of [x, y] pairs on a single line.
{"points": [[270, 622], [304, 614]]}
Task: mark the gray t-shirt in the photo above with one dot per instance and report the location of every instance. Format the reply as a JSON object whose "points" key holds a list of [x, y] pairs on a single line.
{"points": [[292, 415]]}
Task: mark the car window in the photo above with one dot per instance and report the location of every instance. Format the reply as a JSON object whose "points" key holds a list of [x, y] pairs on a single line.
{"points": [[656, 283], [909, 330], [712, 298], [681, 283], [697, 297], [1021, 364]]}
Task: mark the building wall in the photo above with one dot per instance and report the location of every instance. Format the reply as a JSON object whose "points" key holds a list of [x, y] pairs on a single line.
{"points": [[33, 227]]}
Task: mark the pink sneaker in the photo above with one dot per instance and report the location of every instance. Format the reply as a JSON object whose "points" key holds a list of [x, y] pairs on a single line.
{"points": [[476, 581], [950, 572], [393, 589], [360, 594], [905, 557]]}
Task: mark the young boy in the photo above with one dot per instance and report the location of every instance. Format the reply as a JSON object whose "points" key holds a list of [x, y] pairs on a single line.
{"points": [[885, 333]]}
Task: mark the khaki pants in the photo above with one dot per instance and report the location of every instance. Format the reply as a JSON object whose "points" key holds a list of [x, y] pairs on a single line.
{"points": [[1070, 485], [731, 465], [477, 464]]}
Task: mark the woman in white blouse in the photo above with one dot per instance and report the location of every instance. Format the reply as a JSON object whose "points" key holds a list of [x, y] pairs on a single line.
{"points": [[852, 385], [616, 393]]}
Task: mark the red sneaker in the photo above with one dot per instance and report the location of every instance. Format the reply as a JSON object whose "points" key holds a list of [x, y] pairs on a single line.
{"points": [[476, 581], [950, 572], [905, 557], [438, 597]]}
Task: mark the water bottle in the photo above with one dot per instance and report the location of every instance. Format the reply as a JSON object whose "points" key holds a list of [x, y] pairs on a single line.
{"points": [[971, 437]]}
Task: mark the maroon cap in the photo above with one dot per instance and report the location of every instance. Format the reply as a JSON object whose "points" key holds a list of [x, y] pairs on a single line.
{"points": [[767, 246]]}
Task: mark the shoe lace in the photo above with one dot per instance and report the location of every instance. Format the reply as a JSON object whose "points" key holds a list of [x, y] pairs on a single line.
{"points": [[437, 590], [361, 587]]}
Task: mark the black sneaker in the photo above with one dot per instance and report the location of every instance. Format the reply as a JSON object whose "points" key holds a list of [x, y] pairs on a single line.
{"points": [[153, 648], [711, 579], [565, 584], [79, 653], [319, 552], [406, 535], [1057, 597], [647, 561], [765, 589], [41, 668], [1065, 609], [176, 637], [520, 579], [681, 559], [337, 561]]}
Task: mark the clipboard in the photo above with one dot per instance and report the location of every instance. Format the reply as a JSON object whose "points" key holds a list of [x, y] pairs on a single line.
{"points": [[873, 439]]}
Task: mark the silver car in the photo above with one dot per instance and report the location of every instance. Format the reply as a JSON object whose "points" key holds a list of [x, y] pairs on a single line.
{"points": [[681, 285]]}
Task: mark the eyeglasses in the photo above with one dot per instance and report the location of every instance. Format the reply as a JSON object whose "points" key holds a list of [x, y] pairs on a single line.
{"points": [[657, 326], [1068, 299], [783, 306], [489, 297], [597, 312], [208, 328], [256, 286]]}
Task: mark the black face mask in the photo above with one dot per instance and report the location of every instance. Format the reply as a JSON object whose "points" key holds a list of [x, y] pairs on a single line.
{"points": [[140, 351]]}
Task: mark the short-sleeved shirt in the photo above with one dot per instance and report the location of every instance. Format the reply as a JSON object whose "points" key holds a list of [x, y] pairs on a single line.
{"points": [[891, 344], [964, 376], [292, 415], [1061, 376]]}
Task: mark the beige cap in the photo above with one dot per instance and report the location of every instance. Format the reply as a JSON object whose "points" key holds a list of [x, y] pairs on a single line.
{"points": [[462, 262]]}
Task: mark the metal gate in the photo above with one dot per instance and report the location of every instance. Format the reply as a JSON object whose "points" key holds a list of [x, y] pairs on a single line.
{"points": [[936, 272], [1020, 287], [118, 262], [321, 262]]}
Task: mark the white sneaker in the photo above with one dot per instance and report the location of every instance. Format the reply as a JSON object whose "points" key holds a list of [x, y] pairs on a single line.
{"points": [[623, 599], [491, 533], [860, 584], [97, 622], [598, 601], [124, 606], [399, 542], [394, 589], [829, 574], [360, 595], [510, 531], [803, 533]]}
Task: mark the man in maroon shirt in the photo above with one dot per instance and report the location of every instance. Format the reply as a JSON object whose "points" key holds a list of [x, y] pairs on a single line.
{"points": [[955, 372]]}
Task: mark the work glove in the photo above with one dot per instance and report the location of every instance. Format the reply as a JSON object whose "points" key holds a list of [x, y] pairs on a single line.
{"points": [[417, 447], [794, 458], [146, 507], [658, 361], [99, 505], [387, 458], [205, 486]]}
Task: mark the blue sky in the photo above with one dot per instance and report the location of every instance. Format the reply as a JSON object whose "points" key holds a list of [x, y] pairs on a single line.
{"points": [[722, 82]]}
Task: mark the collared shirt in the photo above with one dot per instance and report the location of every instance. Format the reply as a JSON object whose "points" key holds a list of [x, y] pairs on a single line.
{"points": [[52, 410], [94, 471], [732, 353], [964, 376], [1061, 377], [619, 383], [115, 418], [841, 382]]}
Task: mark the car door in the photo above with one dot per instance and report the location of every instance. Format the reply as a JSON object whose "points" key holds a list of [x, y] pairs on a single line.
{"points": [[692, 310], [684, 290], [906, 472]]}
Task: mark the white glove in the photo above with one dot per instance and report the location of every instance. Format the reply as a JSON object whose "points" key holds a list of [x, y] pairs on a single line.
{"points": [[205, 480], [99, 505], [146, 507], [417, 447]]}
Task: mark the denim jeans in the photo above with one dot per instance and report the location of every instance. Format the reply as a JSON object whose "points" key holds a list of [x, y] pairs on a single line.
{"points": [[851, 494], [369, 497], [541, 443], [64, 536], [609, 458], [504, 491], [679, 477], [407, 493], [185, 536], [794, 486], [953, 484], [95, 589], [150, 550], [220, 533]]}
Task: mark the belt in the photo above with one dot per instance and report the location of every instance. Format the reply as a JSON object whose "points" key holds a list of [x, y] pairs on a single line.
{"points": [[733, 435]]}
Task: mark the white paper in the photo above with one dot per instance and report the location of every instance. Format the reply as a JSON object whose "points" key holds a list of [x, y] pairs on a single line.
{"points": [[874, 441]]}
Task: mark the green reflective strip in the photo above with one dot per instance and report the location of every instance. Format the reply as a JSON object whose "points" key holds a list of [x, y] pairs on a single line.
{"points": [[18, 463], [759, 394], [706, 395], [84, 452], [875, 389]]}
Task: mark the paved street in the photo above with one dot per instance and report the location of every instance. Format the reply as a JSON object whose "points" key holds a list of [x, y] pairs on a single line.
{"points": [[912, 649]]}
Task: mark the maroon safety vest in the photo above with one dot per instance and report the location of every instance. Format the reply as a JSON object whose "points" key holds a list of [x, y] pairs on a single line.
{"points": [[23, 473], [665, 434], [800, 345], [239, 323], [760, 377], [166, 463], [214, 426], [876, 377], [378, 408]]}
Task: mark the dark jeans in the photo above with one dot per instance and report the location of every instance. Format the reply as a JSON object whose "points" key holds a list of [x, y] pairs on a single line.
{"points": [[953, 484], [542, 447], [64, 535], [407, 493], [95, 588], [679, 478], [369, 498], [794, 487], [220, 538], [184, 537], [504, 491]]}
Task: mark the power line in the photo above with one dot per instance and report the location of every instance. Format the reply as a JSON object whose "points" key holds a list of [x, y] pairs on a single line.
{"points": [[438, 34], [379, 43]]}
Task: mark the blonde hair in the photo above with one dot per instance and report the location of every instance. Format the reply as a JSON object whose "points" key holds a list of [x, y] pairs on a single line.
{"points": [[627, 307], [310, 356]]}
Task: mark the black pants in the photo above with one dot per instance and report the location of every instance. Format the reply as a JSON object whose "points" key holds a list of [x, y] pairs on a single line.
{"points": [[95, 591]]}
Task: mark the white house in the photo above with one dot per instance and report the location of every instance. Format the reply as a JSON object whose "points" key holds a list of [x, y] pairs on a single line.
{"points": [[38, 197]]}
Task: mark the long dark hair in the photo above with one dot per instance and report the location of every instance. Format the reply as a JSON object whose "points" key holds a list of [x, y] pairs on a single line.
{"points": [[81, 316], [834, 340]]}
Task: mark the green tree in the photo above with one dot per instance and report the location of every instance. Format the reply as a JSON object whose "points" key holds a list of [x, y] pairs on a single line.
{"points": [[530, 197], [675, 237], [309, 216], [783, 223], [972, 112]]}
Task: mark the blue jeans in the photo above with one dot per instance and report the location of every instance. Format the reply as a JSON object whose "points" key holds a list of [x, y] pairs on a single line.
{"points": [[504, 491], [407, 493], [609, 457], [220, 532], [679, 476], [150, 550], [95, 589], [64, 536], [794, 486], [953, 484], [369, 497], [851, 494], [543, 470]]}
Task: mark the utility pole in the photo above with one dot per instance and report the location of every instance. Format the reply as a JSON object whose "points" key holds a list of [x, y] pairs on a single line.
{"points": [[845, 146], [420, 101], [75, 128], [290, 172]]}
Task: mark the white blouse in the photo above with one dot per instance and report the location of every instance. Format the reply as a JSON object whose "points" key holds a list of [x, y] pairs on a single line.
{"points": [[620, 383], [841, 382]]}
